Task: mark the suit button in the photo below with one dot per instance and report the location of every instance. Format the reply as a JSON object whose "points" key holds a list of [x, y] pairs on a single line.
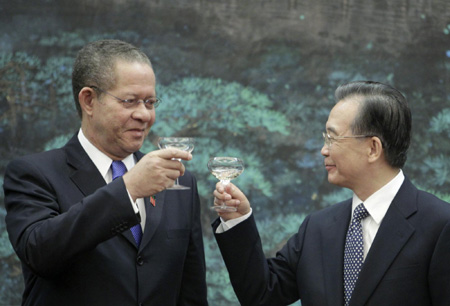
{"points": [[140, 261]]}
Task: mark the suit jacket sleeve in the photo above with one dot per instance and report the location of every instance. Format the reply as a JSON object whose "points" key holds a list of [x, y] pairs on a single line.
{"points": [[47, 232], [255, 279]]}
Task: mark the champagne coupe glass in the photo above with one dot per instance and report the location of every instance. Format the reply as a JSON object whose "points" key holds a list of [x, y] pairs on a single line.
{"points": [[225, 169], [181, 143]]}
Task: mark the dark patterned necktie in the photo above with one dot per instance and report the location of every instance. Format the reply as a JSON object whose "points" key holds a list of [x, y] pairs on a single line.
{"points": [[354, 251], [118, 169]]}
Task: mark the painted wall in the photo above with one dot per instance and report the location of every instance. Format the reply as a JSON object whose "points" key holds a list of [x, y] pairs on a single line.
{"points": [[254, 79]]}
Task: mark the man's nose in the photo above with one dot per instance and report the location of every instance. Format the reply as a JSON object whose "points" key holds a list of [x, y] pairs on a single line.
{"points": [[325, 151], [141, 112]]}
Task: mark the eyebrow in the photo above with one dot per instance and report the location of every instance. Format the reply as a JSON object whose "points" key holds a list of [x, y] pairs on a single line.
{"points": [[331, 129], [136, 96]]}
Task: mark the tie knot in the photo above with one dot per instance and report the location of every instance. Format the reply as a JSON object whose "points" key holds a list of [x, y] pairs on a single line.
{"points": [[118, 169], [360, 213]]}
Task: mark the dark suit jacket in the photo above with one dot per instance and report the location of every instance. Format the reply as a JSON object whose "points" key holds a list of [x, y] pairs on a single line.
{"points": [[71, 233], [408, 263]]}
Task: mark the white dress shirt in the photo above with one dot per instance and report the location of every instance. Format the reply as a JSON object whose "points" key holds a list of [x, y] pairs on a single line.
{"points": [[103, 164], [377, 205]]}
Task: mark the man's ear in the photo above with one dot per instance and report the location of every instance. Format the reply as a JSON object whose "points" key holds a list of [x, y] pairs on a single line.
{"points": [[375, 151], [86, 97]]}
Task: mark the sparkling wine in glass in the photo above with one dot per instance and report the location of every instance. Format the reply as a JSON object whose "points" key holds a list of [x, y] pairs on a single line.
{"points": [[225, 169], [181, 143]]}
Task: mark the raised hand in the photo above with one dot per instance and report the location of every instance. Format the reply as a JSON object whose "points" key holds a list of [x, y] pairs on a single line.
{"points": [[155, 172], [232, 196]]}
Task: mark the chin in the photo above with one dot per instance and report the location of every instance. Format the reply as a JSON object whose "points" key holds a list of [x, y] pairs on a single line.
{"points": [[137, 148], [334, 180], [134, 147]]}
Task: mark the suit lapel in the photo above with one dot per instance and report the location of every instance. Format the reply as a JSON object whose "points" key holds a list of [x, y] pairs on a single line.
{"points": [[393, 234], [333, 257], [85, 175], [154, 214]]}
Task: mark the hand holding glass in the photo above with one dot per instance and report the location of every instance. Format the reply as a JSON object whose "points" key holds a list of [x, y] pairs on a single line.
{"points": [[225, 169], [181, 143]]}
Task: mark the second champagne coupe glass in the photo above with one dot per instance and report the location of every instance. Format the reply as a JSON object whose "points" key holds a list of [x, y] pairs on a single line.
{"points": [[181, 143], [225, 169]]}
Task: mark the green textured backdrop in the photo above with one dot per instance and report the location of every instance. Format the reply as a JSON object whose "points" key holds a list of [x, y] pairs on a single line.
{"points": [[251, 78]]}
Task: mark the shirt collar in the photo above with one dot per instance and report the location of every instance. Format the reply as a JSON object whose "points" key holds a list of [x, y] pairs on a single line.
{"points": [[100, 159], [378, 203]]}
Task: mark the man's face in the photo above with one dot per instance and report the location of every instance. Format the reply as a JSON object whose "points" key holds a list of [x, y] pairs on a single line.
{"points": [[345, 159], [118, 130]]}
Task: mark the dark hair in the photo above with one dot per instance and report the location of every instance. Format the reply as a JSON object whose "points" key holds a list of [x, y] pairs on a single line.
{"points": [[95, 63], [383, 112]]}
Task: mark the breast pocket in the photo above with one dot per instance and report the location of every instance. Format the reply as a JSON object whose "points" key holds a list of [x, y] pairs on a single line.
{"points": [[402, 272]]}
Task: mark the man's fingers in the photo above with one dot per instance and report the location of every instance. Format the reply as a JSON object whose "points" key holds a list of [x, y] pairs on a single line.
{"points": [[171, 153], [235, 192], [233, 198], [172, 164], [173, 174], [228, 192], [219, 187], [227, 202], [222, 196]]}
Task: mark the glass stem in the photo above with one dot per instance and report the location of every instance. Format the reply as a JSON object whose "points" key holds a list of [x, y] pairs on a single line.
{"points": [[176, 181]]}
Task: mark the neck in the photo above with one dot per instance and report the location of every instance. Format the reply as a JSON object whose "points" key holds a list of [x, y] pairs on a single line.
{"points": [[375, 181], [92, 139]]}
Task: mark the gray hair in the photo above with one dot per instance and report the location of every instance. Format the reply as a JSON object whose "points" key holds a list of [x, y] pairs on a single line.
{"points": [[383, 112]]}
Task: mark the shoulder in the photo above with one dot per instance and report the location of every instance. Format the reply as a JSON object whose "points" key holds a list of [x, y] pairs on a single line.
{"points": [[432, 205], [36, 160], [47, 158], [432, 218], [426, 197], [56, 161], [333, 210], [335, 214], [425, 200], [422, 209]]}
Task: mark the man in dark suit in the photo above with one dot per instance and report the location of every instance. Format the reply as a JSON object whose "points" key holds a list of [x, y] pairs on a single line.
{"points": [[399, 254], [85, 234]]}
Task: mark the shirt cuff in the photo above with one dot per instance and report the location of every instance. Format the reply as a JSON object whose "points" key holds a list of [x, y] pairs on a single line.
{"points": [[226, 225], [133, 204]]}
